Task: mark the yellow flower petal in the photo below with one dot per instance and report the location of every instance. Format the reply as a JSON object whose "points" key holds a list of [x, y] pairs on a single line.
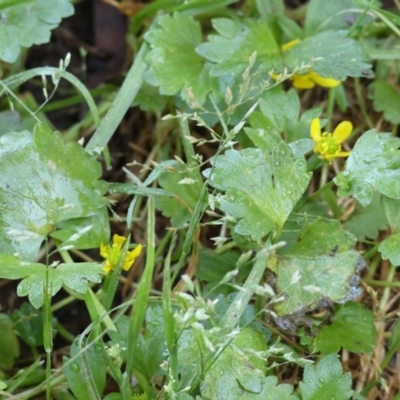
{"points": [[103, 250], [107, 267], [131, 257], [343, 154], [290, 44], [321, 81], [342, 131], [315, 130], [118, 241], [302, 81]]}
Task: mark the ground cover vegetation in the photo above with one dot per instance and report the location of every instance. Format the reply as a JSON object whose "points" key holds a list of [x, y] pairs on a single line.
{"points": [[219, 218]]}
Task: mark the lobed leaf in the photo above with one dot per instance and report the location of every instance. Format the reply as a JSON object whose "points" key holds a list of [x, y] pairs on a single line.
{"points": [[329, 54], [30, 22], [326, 381], [386, 99], [180, 207], [353, 329], [43, 182], [173, 62], [261, 189], [374, 164], [231, 49], [367, 221], [324, 15], [236, 368], [325, 265], [75, 276]]}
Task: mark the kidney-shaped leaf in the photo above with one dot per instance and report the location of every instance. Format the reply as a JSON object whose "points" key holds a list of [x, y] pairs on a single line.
{"points": [[43, 181]]}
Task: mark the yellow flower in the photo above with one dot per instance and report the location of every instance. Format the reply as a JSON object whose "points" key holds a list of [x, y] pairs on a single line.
{"points": [[309, 79], [329, 145], [113, 252]]}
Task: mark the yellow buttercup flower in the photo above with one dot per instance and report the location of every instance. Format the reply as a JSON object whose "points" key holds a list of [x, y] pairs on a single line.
{"points": [[309, 79], [113, 252], [329, 145]]}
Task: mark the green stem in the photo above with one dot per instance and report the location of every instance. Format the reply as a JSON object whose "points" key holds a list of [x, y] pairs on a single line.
{"points": [[220, 117], [121, 103], [329, 108], [385, 284], [64, 333], [324, 175], [143, 292], [168, 315], [361, 103]]}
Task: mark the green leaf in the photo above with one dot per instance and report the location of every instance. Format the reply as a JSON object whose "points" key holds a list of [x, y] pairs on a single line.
{"points": [[372, 165], [326, 381], [84, 233], [28, 322], [236, 42], [149, 99], [236, 368], [73, 275], [390, 248], [367, 221], [325, 266], [29, 22], [386, 99], [270, 391], [190, 357], [261, 189], [9, 346], [179, 208], [324, 15], [173, 62], [86, 369], [213, 266], [391, 209], [352, 328], [279, 118], [43, 182], [329, 54], [322, 236], [10, 121], [151, 346]]}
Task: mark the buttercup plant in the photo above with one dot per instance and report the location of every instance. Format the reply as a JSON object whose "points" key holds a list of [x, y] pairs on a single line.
{"points": [[271, 250]]}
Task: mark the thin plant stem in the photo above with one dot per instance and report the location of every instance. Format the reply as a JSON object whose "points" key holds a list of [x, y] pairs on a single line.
{"points": [[143, 293], [324, 175], [329, 108], [361, 103]]}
